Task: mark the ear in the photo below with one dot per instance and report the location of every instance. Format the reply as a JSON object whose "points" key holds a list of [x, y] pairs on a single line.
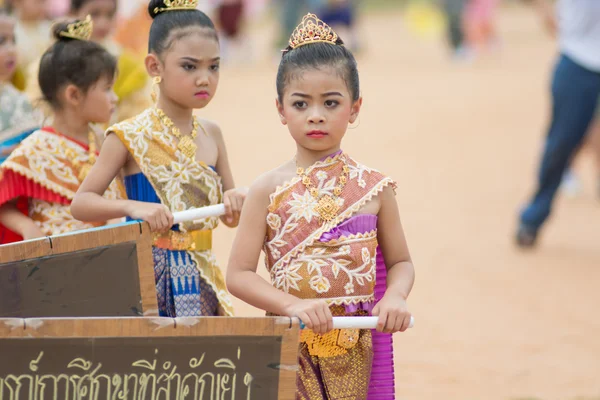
{"points": [[355, 110], [73, 95], [153, 65], [280, 112]]}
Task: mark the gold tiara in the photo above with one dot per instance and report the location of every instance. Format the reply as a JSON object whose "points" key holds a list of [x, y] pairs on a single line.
{"points": [[80, 30], [172, 5], [312, 30]]}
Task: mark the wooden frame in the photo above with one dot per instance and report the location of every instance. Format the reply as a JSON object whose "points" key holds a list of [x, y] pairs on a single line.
{"points": [[133, 232], [23, 335]]}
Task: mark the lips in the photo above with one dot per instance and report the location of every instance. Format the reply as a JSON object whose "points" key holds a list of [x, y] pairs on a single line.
{"points": [[316, 134], [203, 94]]}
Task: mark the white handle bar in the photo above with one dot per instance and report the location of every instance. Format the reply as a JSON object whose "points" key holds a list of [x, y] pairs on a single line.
{"points": [[199, 213], [357, 323]]}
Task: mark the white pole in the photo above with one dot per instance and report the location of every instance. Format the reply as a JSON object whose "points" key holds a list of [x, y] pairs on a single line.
{"points": [[357, 323], [199, 213]]}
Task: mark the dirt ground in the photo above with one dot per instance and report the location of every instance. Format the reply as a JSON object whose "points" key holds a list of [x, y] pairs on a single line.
{"points": [[462, 141]]}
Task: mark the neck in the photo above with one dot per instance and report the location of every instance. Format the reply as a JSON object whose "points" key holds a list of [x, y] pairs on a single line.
{"points": [[305, 157], [181, 116], [70, 124]]}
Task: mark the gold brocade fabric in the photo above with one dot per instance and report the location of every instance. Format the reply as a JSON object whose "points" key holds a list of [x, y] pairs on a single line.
{"points": [[181, 183], [344, 376], [55, 163]]}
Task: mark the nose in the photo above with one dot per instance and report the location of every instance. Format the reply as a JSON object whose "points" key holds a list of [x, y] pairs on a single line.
{"points": [[316, 117], [202, 80]]}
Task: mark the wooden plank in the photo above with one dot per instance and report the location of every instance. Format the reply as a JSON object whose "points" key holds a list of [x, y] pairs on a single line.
{"points": [[106, 271], [34, 248], [149, 358], [137, 233]]}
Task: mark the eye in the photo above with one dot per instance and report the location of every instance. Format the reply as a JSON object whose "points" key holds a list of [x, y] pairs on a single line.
{"points": [[215, 67], [331, 103], [301, 104], [188, 67], [2, 40]]}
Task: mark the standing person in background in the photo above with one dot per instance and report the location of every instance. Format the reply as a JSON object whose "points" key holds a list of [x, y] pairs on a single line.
{"points": [[575, 92], [230, 20], [454, 10]]}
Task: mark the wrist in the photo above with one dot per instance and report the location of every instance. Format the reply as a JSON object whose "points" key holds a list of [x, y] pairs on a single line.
{"points": [[127, 207]]}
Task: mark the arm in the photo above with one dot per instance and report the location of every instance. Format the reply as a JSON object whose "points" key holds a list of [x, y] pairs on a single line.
{"points": [[233, 198], [392, 309], [242, 279], [18, 222], [89, 205]]}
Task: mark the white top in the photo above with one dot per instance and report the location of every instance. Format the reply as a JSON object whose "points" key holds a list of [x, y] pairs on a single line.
{"points": [[579, 31]]}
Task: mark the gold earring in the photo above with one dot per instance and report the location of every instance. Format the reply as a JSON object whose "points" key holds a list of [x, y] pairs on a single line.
{"points": [[155, 82]]}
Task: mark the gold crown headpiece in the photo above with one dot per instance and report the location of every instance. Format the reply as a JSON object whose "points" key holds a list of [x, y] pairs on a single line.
{"points": [[80, 30], [172, 5], [312, 30]]}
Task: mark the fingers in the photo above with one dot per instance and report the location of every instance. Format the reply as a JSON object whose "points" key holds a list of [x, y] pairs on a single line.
{"points": [[382, 322], [228, 208], [406, 322], [323, 320]]}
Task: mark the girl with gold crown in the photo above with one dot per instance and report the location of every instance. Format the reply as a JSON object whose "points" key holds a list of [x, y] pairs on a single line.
{"points": [[132, 85], [321, 219], [39, 179], [173, 161]]}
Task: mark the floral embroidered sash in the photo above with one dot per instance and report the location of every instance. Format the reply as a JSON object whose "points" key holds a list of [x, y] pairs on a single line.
{"points": [[341, 271]]}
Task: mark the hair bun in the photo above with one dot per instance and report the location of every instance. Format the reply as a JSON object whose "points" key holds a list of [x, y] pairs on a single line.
{"points": [[60, 28], [153, 6]]}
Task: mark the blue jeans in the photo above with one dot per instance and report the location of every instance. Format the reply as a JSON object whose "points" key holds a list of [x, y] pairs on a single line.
{"points": [[575, 92]]}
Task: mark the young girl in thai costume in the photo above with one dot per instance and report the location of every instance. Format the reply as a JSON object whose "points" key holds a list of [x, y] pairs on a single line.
{"points": [[132, 85], [17, 117], [39, 179], [320, 219], [173, 161]]}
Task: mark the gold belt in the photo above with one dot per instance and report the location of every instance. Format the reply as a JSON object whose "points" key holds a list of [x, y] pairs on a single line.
{"points": [[173, 240]]}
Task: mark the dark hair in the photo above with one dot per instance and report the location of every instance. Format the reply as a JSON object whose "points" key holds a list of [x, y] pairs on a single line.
{"points": [[318, 55], [77, 4], [71, 61], [165, 22]]}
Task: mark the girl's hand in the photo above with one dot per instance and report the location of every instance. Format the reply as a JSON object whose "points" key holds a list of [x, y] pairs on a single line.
{"points": [[315, 314], [158, 216], [233, 199], [393, 313]]}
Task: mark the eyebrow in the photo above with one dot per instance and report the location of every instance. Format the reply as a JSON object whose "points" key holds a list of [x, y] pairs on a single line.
{"points": [[192, 59], [307, 96]]}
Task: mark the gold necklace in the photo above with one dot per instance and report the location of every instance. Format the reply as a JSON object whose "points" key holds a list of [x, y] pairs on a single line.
{"points": [[327, 206], [186, 144]]}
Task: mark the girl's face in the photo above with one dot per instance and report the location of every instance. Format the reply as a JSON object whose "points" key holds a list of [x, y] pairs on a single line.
{"points": [[98, 104], [189, 69], [103, 14], [8, 50], [317, 108]]}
